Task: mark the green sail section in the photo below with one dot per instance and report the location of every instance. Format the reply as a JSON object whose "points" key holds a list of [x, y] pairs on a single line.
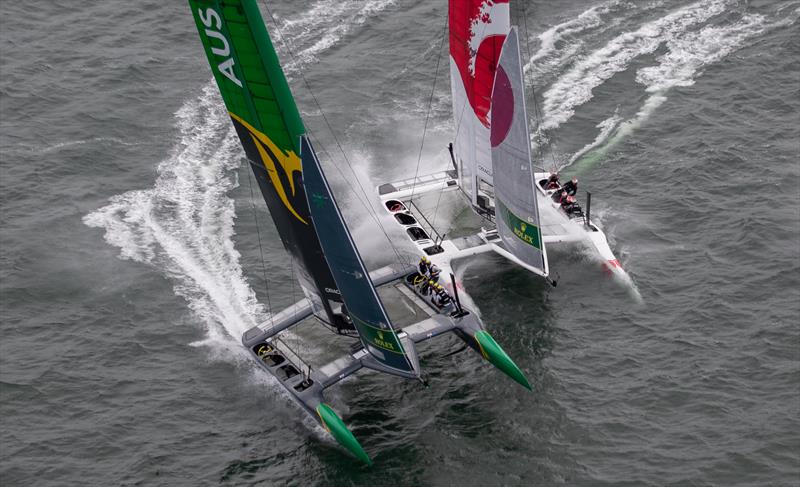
{"points": [[262, 109], [247, 69]]}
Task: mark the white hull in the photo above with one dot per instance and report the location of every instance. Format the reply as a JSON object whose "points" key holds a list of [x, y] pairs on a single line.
{"points": [[557, 228]]}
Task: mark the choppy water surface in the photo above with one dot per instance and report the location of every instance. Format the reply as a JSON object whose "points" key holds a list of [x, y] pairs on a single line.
{"points": [[131, 262]]}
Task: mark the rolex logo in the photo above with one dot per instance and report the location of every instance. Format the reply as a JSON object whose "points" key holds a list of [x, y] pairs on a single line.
{"points": [[523, 227]]}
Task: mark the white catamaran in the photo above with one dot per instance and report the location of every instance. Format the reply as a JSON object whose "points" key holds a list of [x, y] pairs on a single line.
{"points": [[384, 309], [519, 211]]}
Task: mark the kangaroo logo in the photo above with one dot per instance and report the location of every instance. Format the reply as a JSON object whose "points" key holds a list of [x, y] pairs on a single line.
{"points": [[272, 157]]}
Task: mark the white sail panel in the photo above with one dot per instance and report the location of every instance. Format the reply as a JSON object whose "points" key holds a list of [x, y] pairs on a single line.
{"points": [[517, 213], [477, 31]]}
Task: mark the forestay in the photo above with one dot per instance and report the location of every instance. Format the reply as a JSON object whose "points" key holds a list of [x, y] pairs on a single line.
{"points": [[517, 212], [358, 293]]}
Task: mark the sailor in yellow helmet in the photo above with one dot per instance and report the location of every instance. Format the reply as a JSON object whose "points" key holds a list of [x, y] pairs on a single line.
{"points": [[424, 265], [434, 272], [430, 288], [440, 296]]}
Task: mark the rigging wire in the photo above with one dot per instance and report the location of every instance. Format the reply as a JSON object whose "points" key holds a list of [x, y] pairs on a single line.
{"points": [[425, 128], [430, 105], [260, 248], [458, 125], [536, 112], [368, 207]]}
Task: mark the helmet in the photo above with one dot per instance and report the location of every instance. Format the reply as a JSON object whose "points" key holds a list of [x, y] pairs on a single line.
{"points": [[424, 258]]}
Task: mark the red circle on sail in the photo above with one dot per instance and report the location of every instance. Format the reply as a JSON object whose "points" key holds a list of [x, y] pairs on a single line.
{"points": [[502, 108]]}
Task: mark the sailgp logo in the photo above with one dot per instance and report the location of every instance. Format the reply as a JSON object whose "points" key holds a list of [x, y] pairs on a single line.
{"points": [[212, 20]]}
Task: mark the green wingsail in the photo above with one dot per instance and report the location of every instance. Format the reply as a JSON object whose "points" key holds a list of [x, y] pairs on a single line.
{"points": [[339, 431], [247, 70], [492, 352]]}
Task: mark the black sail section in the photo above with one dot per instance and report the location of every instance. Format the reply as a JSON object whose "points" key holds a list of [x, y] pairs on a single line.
{"points": [[280, 181], [363, 304]]}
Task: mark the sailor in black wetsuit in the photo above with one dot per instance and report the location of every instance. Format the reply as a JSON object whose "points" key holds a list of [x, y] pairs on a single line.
{"points": [[440, 297], [571, 188], [434, 272], [428, 287], [567, 202], [424, 265], [552, 182]]}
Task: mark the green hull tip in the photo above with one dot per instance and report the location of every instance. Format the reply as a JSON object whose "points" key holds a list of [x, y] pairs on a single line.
{"points": [[339, 431], [492, 352]]}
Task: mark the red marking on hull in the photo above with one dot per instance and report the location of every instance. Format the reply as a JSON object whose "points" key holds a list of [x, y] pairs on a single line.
{"points": [[610, 265]]}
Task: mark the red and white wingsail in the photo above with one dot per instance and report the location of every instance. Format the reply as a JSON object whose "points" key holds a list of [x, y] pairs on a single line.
{"points": [[516, 205], [478, 29]]}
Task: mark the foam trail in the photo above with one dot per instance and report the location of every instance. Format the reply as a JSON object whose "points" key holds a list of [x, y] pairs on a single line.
{"points": [[560, 42], [606, 127], [575, 87], [340, 16], [611, 134], [689, 53], [184, 225], [685, 58]]}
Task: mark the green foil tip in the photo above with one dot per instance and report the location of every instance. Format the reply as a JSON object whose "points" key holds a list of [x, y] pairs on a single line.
{"points": [[492, 352], [339, 431]]}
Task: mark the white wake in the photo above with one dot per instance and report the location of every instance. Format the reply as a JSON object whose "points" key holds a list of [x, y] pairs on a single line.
{"points": [[688, 48], [183, 226], [574, 88]]}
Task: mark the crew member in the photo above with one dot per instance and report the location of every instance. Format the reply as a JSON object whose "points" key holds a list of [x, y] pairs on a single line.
{"points": [[440, 297], [428, 287], [552, 182], [419, 281], [567, 203], [444, 296], [434, 273], [424, 265], [571, 188]]}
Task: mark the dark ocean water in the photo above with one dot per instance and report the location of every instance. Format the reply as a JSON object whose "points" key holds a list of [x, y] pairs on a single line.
{"points": [[130, 262]]}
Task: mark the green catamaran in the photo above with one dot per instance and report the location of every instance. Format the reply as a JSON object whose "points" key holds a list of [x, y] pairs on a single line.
{"points": [[338, 290]]}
